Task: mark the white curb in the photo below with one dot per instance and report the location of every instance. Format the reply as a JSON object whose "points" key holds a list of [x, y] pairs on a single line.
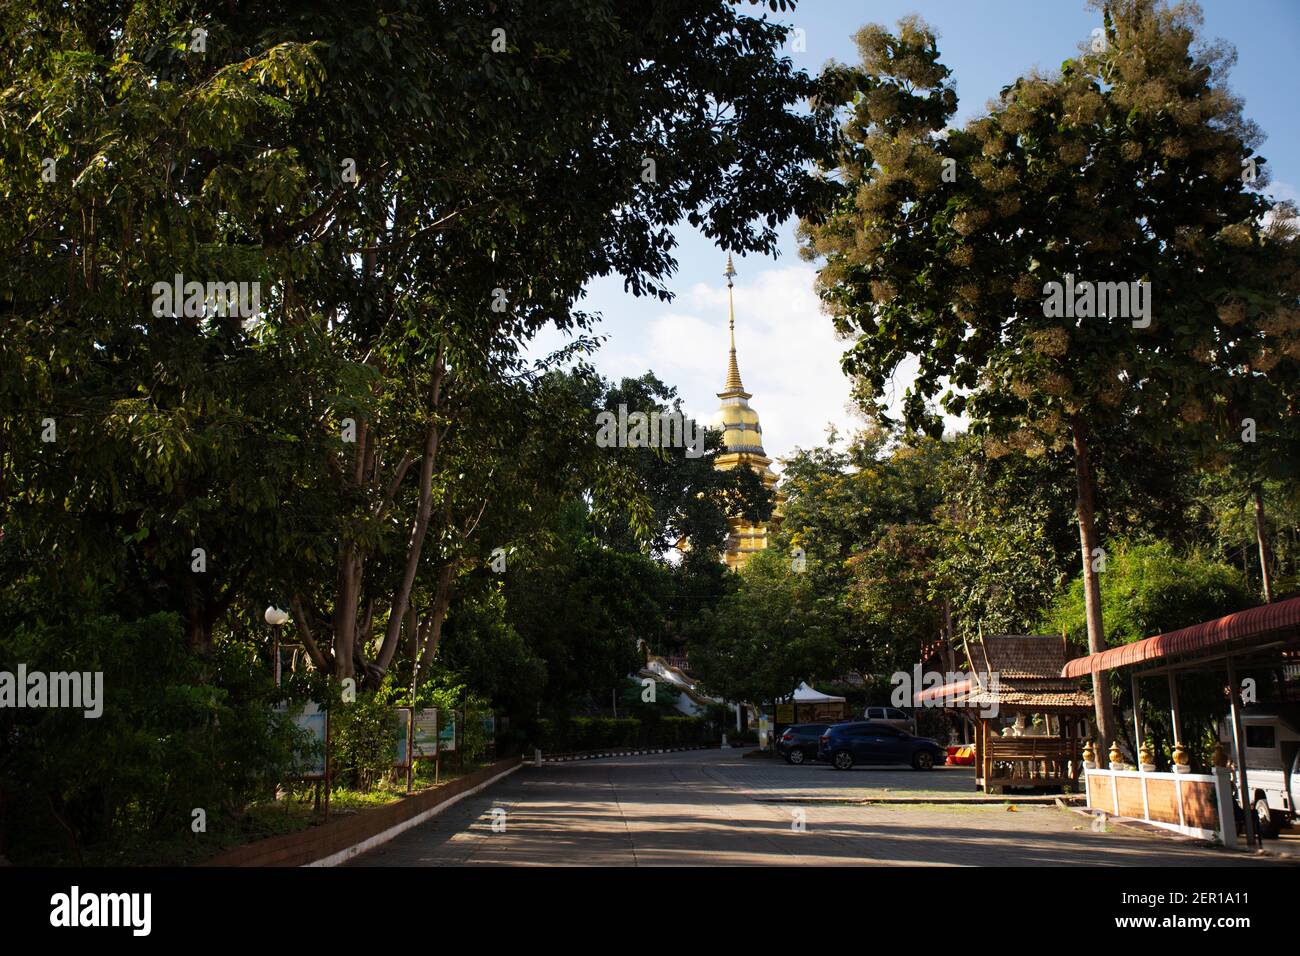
{"points": [[334, 859]]}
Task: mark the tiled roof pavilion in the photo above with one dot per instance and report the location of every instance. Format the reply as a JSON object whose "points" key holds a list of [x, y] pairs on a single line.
{"points": [[1028, 673]]}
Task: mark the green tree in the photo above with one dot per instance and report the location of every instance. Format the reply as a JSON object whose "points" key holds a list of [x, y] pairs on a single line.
{"points": [[769, 634], [1244, 523], [686, 499], [1153, 588], [1125, 166], [415, 204], [406, 249], [582, 608]]}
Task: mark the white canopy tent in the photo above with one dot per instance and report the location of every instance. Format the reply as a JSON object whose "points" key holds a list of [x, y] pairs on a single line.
{"points": [[806, 695], [809, 704]]}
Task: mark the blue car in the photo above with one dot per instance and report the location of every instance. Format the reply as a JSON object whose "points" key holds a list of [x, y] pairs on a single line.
{"points": [[844, 745]]}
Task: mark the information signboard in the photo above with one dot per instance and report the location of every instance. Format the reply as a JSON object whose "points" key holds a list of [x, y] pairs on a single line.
{"points": [[426, 733], [447, 732], [402, 743], [310, 761]]}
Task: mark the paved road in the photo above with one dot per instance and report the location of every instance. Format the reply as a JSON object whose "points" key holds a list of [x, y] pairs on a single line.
{"points": [[715, 808]]}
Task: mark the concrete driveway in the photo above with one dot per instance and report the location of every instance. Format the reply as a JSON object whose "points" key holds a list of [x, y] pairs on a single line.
{"points": [[712, 808]]}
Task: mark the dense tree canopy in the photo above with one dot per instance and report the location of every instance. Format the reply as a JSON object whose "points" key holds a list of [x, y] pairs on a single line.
{"points": [[272, 275], [1123, 168], [407, 191]]}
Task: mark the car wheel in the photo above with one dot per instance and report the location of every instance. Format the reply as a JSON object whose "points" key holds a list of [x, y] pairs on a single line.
{"points": [[1269, 825], [794, 756], [786, 758], [923, 760], [843, 760]]}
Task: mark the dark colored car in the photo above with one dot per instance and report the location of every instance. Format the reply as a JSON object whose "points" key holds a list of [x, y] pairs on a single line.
{"points": [[798, 742], [892, 716], [843, 745]]}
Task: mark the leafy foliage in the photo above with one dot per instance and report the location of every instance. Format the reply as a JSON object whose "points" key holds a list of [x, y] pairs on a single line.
{"points": [[1149, 588], [1124, 166], [355, 452], [176, 733], [772, 632]]}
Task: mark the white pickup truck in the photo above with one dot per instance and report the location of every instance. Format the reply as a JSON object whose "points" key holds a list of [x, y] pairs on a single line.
{"points": [[1272, 765]]}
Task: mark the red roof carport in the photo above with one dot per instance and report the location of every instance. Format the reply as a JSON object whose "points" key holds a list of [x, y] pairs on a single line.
{"points": [[1241, 628], [1270, 626]]}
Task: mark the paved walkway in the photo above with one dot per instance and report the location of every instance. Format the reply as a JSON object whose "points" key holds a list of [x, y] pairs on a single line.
{"points": [[706, 808]]}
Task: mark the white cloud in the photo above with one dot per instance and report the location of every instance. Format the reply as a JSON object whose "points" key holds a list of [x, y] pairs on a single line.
{"points": [[786, 349], [1278, 190]]}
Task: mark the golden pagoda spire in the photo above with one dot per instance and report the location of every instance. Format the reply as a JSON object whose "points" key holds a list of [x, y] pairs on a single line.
{"points": [[733, 383], [742, 447]]}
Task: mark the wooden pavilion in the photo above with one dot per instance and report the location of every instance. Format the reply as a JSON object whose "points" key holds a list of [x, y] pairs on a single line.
{"points": [[1013, 678]]}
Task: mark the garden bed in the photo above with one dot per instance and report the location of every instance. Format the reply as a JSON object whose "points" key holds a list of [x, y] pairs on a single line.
{"points": [[349, 830]]}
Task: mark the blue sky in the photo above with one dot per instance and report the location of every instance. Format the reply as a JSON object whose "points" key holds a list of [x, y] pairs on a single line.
{"points": [[787, 352]]}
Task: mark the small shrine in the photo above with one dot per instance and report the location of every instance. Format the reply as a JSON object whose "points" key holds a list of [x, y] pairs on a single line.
{"points": [[1031, 723]]}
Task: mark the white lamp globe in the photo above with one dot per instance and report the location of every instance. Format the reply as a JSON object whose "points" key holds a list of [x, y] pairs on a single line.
{"points": [[275, 616]]}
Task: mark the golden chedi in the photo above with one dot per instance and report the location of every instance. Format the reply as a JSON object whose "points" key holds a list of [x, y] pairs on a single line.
{"points": [[742, 446]]}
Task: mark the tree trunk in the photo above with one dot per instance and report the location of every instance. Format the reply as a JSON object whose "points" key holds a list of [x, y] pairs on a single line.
{"points": [[420, 527], [347, 599], [199, 636], [345, 610], [949, 652], [321, 658], [197, 630], [1085, 510], [441, 601], [1265, 576]]}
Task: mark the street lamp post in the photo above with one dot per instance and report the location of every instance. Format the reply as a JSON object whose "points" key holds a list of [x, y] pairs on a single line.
{"points": [[275, 617]]}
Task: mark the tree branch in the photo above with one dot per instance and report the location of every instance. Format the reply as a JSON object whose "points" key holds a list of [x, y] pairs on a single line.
{"points": [[322, 659]]}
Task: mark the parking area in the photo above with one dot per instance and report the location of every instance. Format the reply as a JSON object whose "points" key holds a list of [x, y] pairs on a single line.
{"points": [[773, 778], [715, 807]]}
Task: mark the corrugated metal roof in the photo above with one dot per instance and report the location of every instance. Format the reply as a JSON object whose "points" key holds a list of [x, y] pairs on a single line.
{"points": [[947, 691], [1255, 622]]}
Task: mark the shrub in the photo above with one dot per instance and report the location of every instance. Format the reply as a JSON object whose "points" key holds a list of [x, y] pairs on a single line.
{"points": [[682, 731], [362, 739], [178, 732]]}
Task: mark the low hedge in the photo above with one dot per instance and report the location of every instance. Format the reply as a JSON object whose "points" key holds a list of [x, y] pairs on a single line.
{"points": [[680, 732], [578, 734]]}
